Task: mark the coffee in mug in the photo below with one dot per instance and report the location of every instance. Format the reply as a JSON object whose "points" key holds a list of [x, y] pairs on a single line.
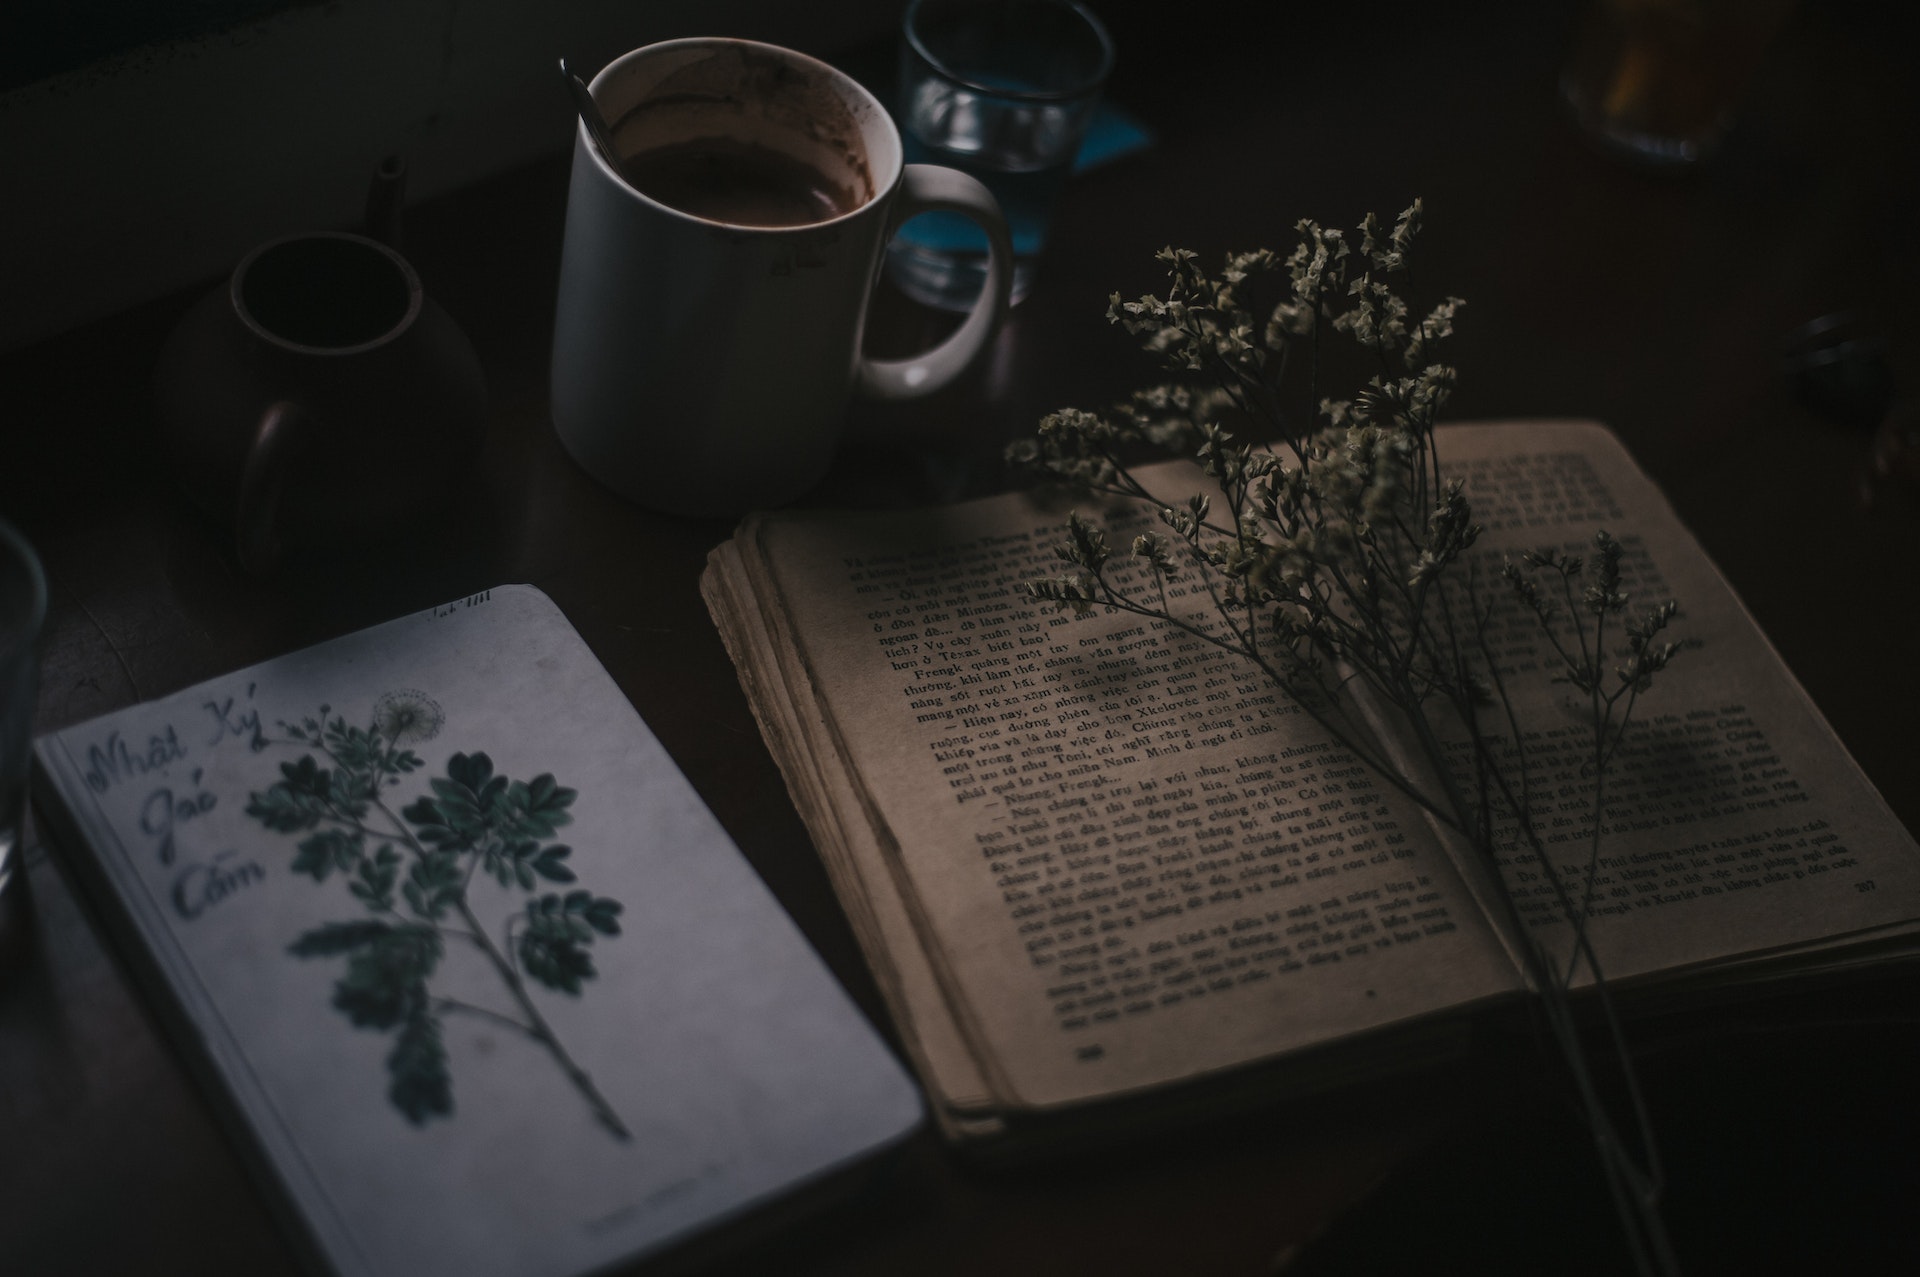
{"points": [[743, 183], [715, 275]]}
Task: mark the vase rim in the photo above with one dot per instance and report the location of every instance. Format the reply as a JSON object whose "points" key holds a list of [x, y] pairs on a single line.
{"points": [[403, 314]]}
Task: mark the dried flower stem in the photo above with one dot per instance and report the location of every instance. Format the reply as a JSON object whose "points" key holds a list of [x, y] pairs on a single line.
{"points": [[1338, 563]]}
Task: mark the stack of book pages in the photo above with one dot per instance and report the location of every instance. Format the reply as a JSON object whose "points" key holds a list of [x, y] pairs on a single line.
{"points": [[1100, 866]]}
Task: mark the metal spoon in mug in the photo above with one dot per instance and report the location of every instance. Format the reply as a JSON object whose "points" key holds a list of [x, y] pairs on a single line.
{"points": [[590, 112]]}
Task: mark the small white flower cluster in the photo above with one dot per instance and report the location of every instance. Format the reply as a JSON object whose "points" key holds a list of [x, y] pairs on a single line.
{"points": [[1335, 555]]}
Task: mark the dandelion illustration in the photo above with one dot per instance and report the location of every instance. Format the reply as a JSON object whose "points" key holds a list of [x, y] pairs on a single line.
{"points": [[407, 717]]}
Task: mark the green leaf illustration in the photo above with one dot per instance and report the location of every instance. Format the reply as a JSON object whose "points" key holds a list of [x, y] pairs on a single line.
{"points": [[386, 977], [294, 803], [552, 944], [469, 820], [603, 916], [333, 938], [470, 770], [548, 864], [353, 749], [536, 809], [421, 1087], [555, 961], [326, 851], [306, 777], [374, 885], [435, 883]]}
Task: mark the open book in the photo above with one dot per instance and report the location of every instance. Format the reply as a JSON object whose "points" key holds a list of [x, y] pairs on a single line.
{"points": [[475, 976], [1093, 860]]}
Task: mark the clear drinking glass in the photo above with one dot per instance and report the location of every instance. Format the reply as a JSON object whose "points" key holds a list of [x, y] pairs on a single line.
{"points": [[23, 610], [1002, 90]]}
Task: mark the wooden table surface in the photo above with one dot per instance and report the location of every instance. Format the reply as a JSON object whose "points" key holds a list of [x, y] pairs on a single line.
{"points": [[1658, 303]]}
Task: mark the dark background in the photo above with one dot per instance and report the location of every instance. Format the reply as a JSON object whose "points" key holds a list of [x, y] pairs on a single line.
{"points": [[1660, 303], [39, 38]]}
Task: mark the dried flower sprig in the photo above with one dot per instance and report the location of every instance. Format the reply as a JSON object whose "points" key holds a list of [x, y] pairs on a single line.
{"points": [[1338, 559]]}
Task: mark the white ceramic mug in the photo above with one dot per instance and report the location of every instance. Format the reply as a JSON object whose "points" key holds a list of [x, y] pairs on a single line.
{"points": [[705, 367]]}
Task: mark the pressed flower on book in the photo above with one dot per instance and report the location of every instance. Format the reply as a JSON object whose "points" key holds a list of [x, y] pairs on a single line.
{"points": [[1338, 558]]}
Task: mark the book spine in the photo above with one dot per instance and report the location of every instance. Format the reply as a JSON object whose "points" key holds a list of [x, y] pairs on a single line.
{"points": [[91, 857]]}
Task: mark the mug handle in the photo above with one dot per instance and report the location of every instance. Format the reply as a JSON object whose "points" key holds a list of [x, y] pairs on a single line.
{"points": [[928, 188], [263, 482]]}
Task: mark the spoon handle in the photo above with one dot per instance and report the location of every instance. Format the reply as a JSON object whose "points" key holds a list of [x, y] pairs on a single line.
{"points": [[590, 112]]}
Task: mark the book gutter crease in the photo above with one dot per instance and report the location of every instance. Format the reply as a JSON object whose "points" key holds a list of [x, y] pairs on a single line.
{"points": [[1100, 868]]}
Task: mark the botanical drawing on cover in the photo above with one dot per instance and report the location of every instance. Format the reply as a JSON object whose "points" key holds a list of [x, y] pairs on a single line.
{"points": [[418, 871]]}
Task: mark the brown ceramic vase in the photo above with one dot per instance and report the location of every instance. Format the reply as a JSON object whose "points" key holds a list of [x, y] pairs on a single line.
{"points": [[320, 400]]}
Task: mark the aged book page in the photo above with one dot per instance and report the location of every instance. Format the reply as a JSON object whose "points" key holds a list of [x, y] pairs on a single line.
{"points": [[1093, 855], [798, 736], [1126, 860], [1735, 829]]}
